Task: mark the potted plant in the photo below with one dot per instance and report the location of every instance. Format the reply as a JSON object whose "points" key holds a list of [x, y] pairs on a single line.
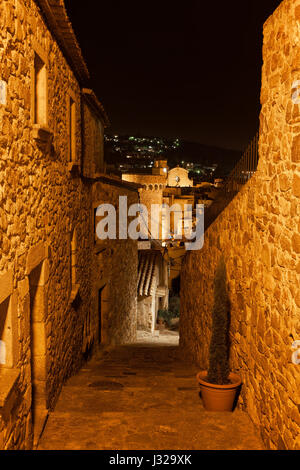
{"points": [[218, 385]]}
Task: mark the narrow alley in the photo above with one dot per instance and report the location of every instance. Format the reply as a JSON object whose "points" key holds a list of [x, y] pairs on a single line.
{"points": [[141, 397]]}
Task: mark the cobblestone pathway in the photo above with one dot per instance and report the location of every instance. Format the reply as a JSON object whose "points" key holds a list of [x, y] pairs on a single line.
{"points": [[139, 397]]}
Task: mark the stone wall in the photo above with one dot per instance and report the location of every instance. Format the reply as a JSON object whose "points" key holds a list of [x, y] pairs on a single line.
{"points": [[258, 235]]}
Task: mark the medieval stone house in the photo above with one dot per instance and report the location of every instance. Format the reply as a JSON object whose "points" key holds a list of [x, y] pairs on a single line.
{"points": [[58, 284]]}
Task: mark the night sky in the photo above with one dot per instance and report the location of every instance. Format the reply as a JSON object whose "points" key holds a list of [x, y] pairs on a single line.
{"points": [[190, 70]]}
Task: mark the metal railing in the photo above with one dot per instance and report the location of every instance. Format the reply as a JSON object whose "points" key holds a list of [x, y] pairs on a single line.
{"points": [[242, 172]]}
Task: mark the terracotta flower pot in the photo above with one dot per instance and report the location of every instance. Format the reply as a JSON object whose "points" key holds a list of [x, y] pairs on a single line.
{"points": [[218, 397]]}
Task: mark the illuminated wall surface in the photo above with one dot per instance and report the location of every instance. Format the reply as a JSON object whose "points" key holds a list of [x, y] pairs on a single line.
{"points": [[57, 283], [258, 234]]}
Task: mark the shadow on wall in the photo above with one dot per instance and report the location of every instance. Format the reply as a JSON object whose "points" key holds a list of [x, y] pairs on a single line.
{"points": [[176, 286]]}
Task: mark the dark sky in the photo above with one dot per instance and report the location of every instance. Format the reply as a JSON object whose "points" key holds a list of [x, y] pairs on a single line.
{"points": [[190, 70]]}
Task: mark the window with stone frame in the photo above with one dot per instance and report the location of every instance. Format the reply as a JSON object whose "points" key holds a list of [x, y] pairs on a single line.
{"points": [[74, 265], [71, 126]]}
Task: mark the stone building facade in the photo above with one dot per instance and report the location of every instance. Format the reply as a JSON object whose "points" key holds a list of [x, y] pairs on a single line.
{"points": [[57, 285], [258, 235]]}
